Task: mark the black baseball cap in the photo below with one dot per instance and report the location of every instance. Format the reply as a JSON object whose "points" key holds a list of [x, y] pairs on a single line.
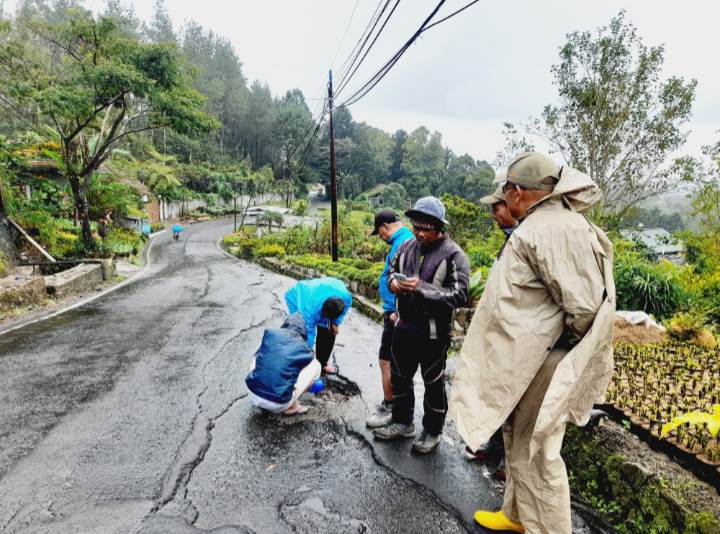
{"points": [[384, 217]]}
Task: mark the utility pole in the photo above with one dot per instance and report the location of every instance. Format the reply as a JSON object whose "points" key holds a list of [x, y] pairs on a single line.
{"points": [[235, 208], [333, 178]]}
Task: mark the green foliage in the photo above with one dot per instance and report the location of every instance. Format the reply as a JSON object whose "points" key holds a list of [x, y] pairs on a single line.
{"points": [[686, 325], [618, 118], [270, 251], [108, 193], [652, 288], [654, 218], [601, 479], [124, 241], [300, 207], [423, 162], [465, 220], [105, 86], [483, 252], [157, 227], [270, 218], [346, 269], [394, 196], [476, 287]]}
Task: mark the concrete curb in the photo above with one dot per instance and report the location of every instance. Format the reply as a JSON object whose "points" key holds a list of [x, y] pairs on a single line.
{"points": [[9, 327]]}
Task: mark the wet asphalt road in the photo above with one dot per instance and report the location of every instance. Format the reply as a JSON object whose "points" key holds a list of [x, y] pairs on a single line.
{"points": [[130, 414]]}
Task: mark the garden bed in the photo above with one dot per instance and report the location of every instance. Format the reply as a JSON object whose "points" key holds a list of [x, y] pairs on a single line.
{"points": [[654, 384]]}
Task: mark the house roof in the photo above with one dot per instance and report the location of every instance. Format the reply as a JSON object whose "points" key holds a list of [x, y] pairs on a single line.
{"points": [[657, 239], [376, 190]]}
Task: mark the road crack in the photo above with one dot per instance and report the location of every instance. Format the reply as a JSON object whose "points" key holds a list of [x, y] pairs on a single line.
{"points": [[425, 490]]}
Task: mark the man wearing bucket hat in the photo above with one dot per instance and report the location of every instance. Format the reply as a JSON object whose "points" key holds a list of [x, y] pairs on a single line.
{"points": [[538, 353], [429, 275]]}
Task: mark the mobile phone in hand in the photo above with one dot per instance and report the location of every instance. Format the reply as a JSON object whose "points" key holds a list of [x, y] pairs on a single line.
{"points": [[401, 278]]}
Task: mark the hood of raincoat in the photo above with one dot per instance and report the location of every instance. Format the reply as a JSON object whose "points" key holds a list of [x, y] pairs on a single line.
{"points": [[524, 311], [282, 354], [579, 193]]}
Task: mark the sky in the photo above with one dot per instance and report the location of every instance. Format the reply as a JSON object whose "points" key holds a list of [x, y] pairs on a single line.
{"points": [[466, 77]]}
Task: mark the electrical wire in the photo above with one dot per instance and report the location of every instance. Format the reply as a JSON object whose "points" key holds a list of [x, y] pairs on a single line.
{"points": [[450, 16], [365, 89], [344, 34], [386, 68], [367, 38], [347, 80], [355, 52]]}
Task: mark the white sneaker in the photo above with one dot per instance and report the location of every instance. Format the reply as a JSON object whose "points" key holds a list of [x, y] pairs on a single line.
{"points": [[382, 416]]}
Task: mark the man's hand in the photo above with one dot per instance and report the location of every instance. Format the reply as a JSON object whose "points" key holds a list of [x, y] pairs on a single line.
{"points": [[408, 286], [334, 329], [395, 288], [393, 318]]}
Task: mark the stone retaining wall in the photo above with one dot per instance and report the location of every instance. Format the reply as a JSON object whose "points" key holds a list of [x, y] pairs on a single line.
{"points": [[84, 276], [22, 293]]}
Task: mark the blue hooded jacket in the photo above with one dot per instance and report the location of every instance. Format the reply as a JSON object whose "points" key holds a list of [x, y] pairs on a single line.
{"points": [[397, 239], [282, 355], [308, 296]]}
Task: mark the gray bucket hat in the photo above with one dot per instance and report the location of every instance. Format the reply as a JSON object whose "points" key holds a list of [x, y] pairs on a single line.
{"points": [[428, 206]]}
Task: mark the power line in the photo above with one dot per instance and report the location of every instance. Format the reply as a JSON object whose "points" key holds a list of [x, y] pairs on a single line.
{"points": [[386, 68], [367, 35], [344, 83], [391, 63], [450, 16], [344, 34], [343, 68]]}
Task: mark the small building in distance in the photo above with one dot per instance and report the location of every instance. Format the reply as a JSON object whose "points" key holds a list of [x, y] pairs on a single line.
{"points": [[658, 240], [375, 195]]}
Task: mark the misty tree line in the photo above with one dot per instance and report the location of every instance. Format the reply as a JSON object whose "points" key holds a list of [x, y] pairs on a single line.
{"points": [[616, 119]]}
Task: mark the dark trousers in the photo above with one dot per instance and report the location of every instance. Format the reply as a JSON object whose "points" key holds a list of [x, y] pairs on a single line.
{"points": [[409, 352], [324, 344]]}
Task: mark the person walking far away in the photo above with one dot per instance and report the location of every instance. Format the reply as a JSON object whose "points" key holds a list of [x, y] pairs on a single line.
{"points": [[323, 303], [430, 275], [391, 230], [538, 353], [494, 450]]}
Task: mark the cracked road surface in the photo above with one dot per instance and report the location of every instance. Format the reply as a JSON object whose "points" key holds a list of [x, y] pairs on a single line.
{"points": [[130, 414]]}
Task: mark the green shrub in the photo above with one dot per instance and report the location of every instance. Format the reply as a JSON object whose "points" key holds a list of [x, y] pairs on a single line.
{"points": [[300, 208], [357, 206], [270, 251], [686, 325], [361, 271], [234, 239], [649, 287], [124, 241], [157, 227]]}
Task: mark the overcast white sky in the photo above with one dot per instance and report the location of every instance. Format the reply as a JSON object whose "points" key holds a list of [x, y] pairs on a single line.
{"points": [[464, 78]]}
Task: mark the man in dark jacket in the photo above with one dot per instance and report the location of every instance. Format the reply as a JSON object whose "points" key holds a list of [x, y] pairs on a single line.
{"points": [[429, 276]]}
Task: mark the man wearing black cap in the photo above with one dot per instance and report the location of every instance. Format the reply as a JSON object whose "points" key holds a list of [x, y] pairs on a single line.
{"points": [[390, 229], [430, 276]]}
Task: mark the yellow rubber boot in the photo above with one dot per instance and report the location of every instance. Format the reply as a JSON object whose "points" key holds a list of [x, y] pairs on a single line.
{"points": [[497, 521]]}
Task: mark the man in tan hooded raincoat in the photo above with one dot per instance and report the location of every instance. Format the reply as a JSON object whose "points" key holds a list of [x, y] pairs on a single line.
{"points": [[538, 353]]}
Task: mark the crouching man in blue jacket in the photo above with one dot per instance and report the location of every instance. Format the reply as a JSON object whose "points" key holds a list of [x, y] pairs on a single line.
{"points": [[284, 368], [323, 303]]}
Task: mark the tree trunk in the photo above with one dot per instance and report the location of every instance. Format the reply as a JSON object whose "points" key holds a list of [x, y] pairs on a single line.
{"points": [[81, 207]]}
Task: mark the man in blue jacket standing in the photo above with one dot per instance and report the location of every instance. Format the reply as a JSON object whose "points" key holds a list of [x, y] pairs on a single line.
{"points": [[389, 228], [323, 303]]}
